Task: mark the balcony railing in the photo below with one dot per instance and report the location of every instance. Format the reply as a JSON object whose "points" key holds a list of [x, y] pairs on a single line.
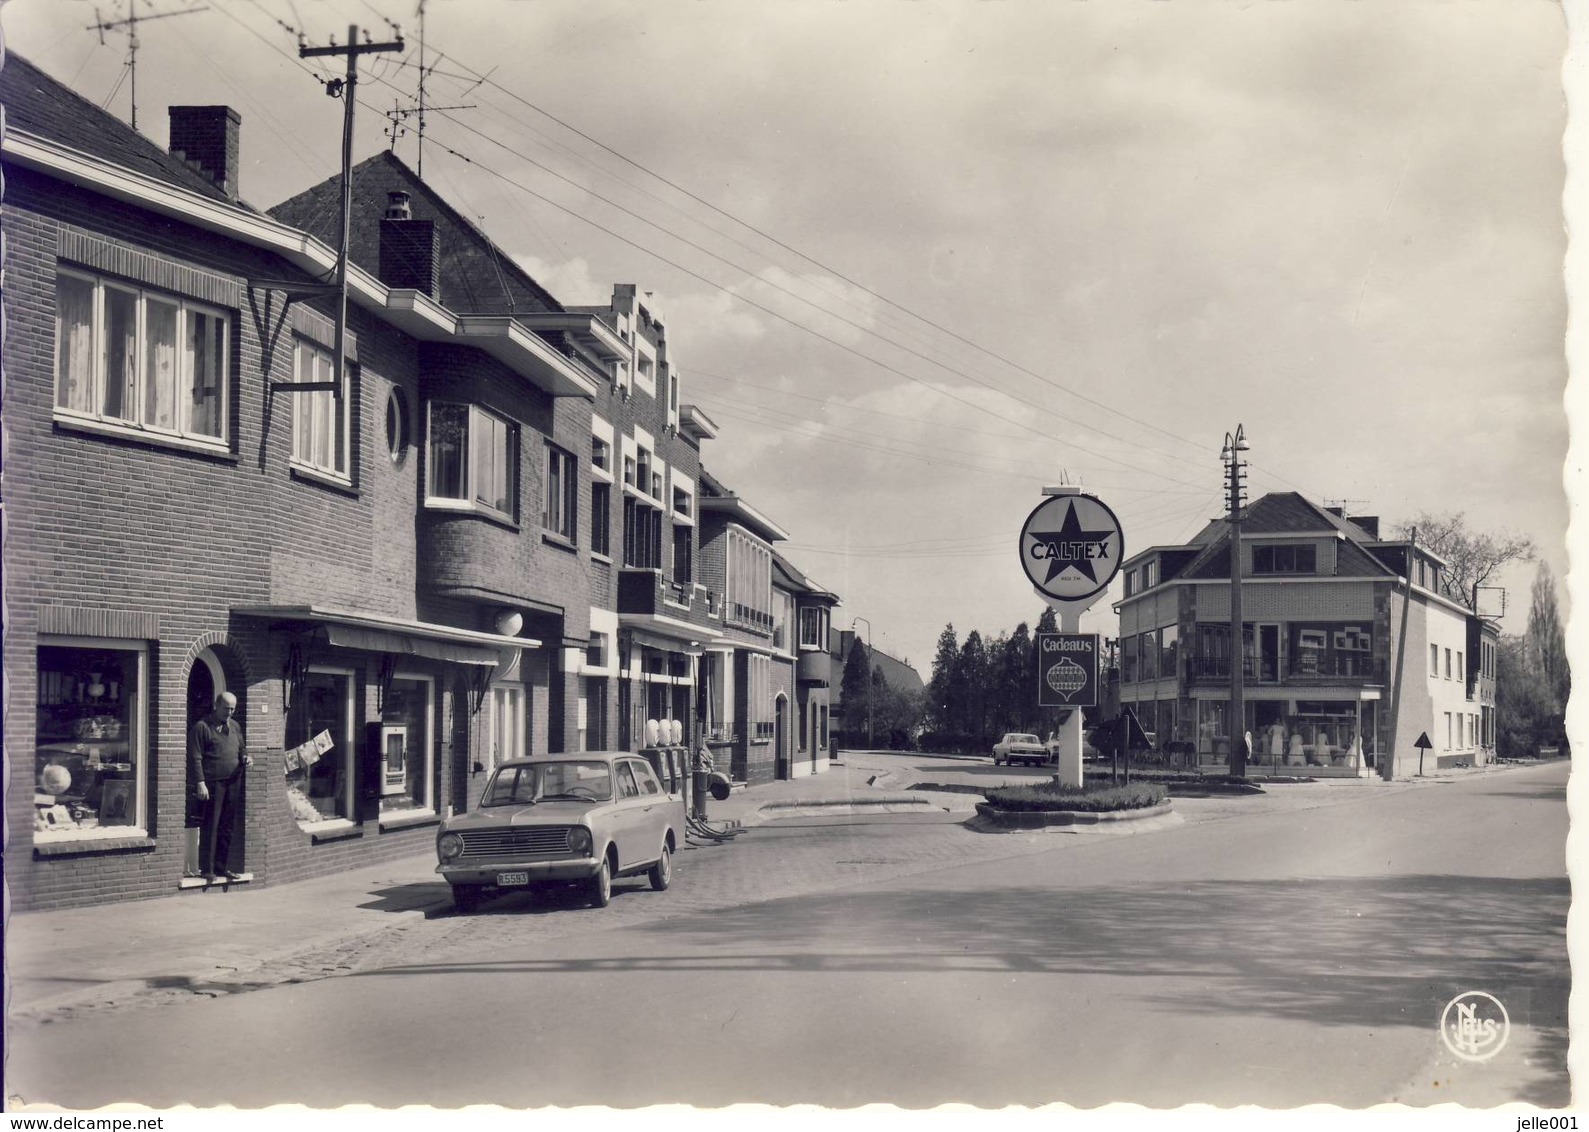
{"points": [[746, 617], [643, 591]]}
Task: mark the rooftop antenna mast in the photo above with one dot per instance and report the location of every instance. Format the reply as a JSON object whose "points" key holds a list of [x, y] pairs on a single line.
{"points": [[397, 114], [130, 26]]}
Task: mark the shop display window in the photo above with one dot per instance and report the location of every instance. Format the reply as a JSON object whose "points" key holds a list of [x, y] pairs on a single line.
{"points": [[319, 756], [1213, 735], [89, 755], [406, 755]]}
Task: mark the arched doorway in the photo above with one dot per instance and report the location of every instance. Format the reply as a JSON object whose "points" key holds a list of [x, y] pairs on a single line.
{"points": [[780, 737], [207, 678]]}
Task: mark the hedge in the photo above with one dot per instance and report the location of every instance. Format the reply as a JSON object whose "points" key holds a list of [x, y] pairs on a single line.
{"points": [[1093, 799]]}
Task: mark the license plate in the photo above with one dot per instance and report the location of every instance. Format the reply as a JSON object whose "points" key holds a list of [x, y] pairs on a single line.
{"points": [[506, 880]]}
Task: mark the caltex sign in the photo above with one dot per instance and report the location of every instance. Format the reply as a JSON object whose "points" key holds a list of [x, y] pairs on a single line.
{"points": [[1071, 547], [1067, 669]]}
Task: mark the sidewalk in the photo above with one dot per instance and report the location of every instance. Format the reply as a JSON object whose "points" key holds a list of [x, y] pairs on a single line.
{"points": [[98, 953]]}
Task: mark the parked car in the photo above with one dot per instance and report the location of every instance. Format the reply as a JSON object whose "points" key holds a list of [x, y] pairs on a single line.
{"points": [[562, 820], [1019, 747], [1089, 753]]}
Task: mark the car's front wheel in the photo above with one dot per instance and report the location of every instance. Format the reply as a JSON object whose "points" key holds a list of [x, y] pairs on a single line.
{"points": [[466, 897], [661, 874], [600, 891]]}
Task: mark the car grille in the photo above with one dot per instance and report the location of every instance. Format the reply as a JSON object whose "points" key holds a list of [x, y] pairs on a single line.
{"points": [[514, 844]]}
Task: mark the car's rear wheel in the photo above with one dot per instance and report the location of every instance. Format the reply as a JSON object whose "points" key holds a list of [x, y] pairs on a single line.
{"points": [[466, 897], [661, 874], [599, 892]]}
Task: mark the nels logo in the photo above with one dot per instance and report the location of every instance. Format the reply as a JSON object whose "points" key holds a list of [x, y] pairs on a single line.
{"points": [[1475, 1026]]}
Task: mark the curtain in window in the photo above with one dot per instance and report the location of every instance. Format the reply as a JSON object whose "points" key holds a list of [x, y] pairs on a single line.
{"points": [[121, 354], [74, 343], [205, 361], [160, 365], [449, 444]]}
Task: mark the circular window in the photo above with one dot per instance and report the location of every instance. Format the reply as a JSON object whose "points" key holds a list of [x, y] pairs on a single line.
{"points": [[396, 425]]}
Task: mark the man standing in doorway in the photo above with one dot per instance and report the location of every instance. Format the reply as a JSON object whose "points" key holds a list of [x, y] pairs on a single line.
{"points": [[216, 761]]}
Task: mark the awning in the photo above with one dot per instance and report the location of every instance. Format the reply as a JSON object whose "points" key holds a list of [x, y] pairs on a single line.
{"points": [[374, 640], [372, 632]]}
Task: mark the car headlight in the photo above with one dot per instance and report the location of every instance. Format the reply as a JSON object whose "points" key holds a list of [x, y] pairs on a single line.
{"points": [[449, 846], [579, 841]]}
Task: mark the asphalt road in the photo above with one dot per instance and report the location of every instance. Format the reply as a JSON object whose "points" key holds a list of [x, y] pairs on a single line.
{"points": [[1298, 955]]}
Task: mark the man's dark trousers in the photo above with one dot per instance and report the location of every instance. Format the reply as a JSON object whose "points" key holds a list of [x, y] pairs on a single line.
{"points": [[220, 818]]}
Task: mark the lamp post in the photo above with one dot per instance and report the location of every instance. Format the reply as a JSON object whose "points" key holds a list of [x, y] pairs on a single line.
{"points": [[1230, 455], [868, 684]]}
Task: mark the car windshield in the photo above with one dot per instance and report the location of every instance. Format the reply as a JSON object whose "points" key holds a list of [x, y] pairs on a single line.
{"points": [[581, 780], [1018, 739]]}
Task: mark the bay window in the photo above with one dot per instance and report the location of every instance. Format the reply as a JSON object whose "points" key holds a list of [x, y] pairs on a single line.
{"points": [[813, 627], [473, 459], [748, 596], [138, 359]]}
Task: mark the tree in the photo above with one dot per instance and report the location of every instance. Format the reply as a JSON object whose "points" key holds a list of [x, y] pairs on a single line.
{"points": [[1017, 696], [1547, 641], [1525, 717], [855, 689], [1472, 557], [969, 689], [896, 712], [939, 712]]}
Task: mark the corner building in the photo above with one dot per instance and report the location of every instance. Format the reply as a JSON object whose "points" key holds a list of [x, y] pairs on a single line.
{"points": [[1351, 647]]}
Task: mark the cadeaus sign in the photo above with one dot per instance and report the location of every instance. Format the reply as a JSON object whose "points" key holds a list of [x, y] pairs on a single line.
{"points": [[1067, 670]]}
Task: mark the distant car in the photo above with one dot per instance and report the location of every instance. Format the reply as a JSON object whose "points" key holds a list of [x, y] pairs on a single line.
{"points": [[1019, 747], [562, 820], [1089, 753]]}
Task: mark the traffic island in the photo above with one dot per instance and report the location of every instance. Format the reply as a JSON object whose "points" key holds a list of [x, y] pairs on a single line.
{"points": [[991, 819], [1092, 808]]}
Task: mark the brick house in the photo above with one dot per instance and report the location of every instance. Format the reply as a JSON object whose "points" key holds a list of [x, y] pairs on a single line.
{"points": [[1351, 646], [802, 618], [188, 524]]}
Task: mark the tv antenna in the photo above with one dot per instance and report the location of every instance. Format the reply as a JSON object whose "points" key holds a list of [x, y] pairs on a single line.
{"points": [[399, 114], [129, 25]]}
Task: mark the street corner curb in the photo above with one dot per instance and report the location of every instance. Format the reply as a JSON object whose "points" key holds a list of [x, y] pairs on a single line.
{"points": [[991, 820], [887, 803]]}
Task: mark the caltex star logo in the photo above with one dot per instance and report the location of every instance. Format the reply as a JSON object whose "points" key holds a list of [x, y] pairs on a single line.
{"points": [[1072, 548]]}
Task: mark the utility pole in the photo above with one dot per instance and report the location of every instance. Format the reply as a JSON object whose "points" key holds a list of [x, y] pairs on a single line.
{"points": [[346, 89], [1235, 445], [131, 26]]}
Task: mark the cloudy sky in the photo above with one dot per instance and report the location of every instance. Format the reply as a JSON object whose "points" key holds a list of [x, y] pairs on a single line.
{"points": [[920, 259]]}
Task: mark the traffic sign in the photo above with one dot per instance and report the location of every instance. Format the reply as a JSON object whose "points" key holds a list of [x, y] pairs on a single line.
{"points": [[1067, 670], [1071, 547]]}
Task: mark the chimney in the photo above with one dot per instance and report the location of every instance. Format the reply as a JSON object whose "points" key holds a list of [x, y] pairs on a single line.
{"points": [[207, 137], [410, 249], [1369, 523]]}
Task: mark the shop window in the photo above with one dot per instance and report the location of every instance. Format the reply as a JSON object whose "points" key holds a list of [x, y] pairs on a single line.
{"points": [[140, 360], [1284, 559], [319, 417], [561, 508], [90, 752], [407, 756], [320, 748], [473, 460], [1213, 730]]}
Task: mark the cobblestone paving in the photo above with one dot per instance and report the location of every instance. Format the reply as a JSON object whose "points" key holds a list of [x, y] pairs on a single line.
{"points": [[780, 859]]}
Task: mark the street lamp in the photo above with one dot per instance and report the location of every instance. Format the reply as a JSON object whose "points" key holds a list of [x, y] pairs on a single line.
{"points": [[1230, 456], [868, 685]]}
